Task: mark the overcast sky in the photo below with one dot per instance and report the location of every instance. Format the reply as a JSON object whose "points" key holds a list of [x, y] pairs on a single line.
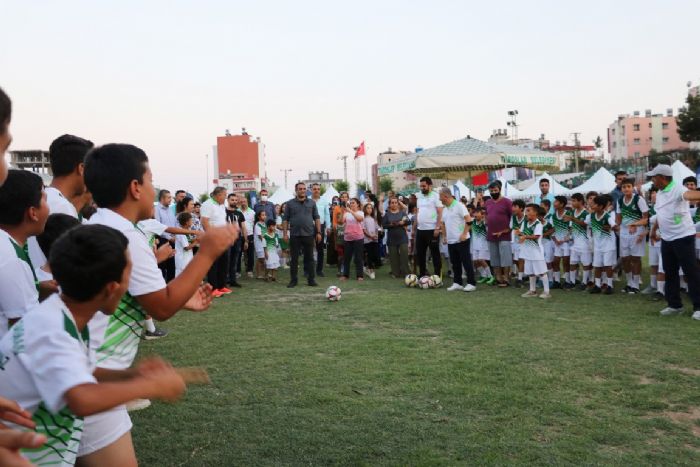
{"points": [[314, 78]]}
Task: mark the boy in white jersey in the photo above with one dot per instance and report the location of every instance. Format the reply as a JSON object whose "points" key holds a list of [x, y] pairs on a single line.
{"points": [[531, 251], [601, 223], [480, 248], [547, 233], [23, 214], [516, 224], [45, 361], [581, 252], [121, 182], [657, 277], [632, 218], [562, 243]]}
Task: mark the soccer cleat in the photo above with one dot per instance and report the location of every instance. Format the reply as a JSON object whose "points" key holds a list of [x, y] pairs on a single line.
{"points": [[292, 284], [491, 280], [635, 291], [670, 311], [225, 291], [555, 285], [216, 293], [545, 295], [529, 294], [583, 286], [454, 287], [595, 290], [482, 280], [696, 315], [157, 334], [657, 297], [469, 288], [625, 289], [649, 290]]}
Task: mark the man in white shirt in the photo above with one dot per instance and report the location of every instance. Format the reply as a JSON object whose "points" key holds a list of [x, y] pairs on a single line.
{"points": [[325, 219], [213, 214], [455, 233], [249, 215], [427, 231], [677, 238]]}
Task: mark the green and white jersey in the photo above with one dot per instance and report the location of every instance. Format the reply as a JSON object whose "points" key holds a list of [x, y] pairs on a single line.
{"points": [[630, 212], [18, 292], [546, 226], [516, 224], [479, 235], [579, 233], [562, 228], [272, 241], [115, 338], [602, 240], [532, 249], [41, 358]]}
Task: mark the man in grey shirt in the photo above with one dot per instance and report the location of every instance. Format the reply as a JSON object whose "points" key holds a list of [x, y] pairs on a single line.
{"points": [[301, 217]]}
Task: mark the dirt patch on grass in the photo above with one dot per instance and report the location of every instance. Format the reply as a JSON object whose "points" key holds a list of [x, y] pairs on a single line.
{"points": [[685, 371], [682, 418], [598, 379], [644, 380]]}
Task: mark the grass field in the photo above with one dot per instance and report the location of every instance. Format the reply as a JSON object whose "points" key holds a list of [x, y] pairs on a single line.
{"points": [[399, 376]]}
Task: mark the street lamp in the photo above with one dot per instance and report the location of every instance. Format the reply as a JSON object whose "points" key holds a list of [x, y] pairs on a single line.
{"points": [[513, 123]]}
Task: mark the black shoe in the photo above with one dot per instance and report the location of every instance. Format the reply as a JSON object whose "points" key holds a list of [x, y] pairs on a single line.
{"points": [[320, 274], [595, 289], [625, 289], [157, 334], [519, 283], [312, 283], [658, 296], [609, 291], [583, 286], [236, 284], [292, 284], [633, 291], [555, 285]]}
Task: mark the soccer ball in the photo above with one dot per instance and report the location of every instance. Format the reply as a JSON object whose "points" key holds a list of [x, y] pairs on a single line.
{"points": [[333, 293], [437, 281], [411, 280], [424, 282]]}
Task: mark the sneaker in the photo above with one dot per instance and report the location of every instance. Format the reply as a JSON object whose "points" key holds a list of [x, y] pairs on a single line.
{"points": [[250, 274], [595, 290], [670, 311], [292, 284], [609, 291], [238, 275], [583, 286], [634, 291], [137, 404], [482, 280], [157, 334], [519, 284], [225, 291], [454, 287], [320, 274], [626, 289], [529, 294], [696, 315], [545, 295], [555, 285], [658, 296], [372, 275], [491, 280], [312, 283], [649, 290], [285, 267], [469, 288], [216, 293]]}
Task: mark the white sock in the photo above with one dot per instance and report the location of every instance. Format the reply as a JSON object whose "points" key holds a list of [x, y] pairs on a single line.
{"points": [[597, 282], [572, 276], [557, 276], [630, 281], [545, 285], [533, 283], [549, 274], [586, 276], [661, 287], [520, 276], [610, 282], [652, 281], [603, 275], [637, 280], [150, 325]]}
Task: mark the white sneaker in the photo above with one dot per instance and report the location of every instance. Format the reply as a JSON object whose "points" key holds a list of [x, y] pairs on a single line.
{"points": [[668, 311], [529, 294], [696, 315], [649, 290], [454, 287], [250, 274], [137, 404], [469, 288], [372, 275], [545, 295]]}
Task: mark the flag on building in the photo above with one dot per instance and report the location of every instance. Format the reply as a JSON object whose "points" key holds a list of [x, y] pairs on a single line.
{"points": [[360, 150]]}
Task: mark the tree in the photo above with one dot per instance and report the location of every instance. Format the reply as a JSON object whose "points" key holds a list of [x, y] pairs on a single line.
{"points": [[203, 197], [341, 186], [689, 120], [323, 189], [598, 142], [386, 184], [364, 186]]}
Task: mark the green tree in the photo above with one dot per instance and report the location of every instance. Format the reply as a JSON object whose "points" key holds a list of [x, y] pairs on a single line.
{"points": [[323, 189], [386, 184], [364, 186], [341, 186], [203, 197], [689, 120], [598, 142]]}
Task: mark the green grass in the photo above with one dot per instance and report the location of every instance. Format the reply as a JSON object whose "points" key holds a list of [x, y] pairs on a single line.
{"points": [[399, 376]]}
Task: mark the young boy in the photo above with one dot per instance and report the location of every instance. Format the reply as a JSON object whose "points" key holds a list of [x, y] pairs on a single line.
{"points": [[632, 217], [531, 251], [121, 183], [657, 278], [601, 223], [56, 225], [581, 252], [480, 248], [45, 363], [516, 225], [547, 243], [272, 243], [23, 214], [562, 242]]}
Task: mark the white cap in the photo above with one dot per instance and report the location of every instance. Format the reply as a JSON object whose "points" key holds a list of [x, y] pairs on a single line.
{"points": [[661, 169]]}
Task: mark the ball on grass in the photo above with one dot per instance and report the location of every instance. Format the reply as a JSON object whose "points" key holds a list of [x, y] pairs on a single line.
{"points": [[411, 280], [436, 280], [333, 293], [425, 282]]}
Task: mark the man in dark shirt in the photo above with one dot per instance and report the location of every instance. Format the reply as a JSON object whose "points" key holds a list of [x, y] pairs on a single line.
{"points": [[235, 215], [302, 219], [498, 215], [265, 205]]}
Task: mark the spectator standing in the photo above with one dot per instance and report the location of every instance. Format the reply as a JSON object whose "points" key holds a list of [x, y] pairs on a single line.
{"points": [[498, 214], [249, 215], [456, 220], [165, 214], [235, 216], [265, 205], [427, 227], [302, 228], [353, 238], [325, 215], [395, 221], [213, 214]]}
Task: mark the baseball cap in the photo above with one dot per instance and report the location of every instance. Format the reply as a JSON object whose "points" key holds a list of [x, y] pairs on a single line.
{"points": [[661, 169]]}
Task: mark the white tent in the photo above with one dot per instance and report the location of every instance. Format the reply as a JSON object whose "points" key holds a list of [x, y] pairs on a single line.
{"points": [[459, 189], [330, 193], [680, 171], [534, 190], [602, 182], [508, 190], [282, 195]]}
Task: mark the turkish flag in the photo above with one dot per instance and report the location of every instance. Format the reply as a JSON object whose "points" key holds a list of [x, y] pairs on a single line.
{"points": [[480, 179], [360, 150]]}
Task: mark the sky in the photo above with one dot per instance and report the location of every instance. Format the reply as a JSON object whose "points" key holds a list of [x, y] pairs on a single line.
{"points": [[315, 78]]}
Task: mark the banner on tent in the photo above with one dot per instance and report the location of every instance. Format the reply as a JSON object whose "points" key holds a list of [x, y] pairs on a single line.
{"points": [[400, 165], [530, 160]]}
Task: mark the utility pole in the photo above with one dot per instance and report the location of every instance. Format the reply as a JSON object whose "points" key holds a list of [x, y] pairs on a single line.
{"points": [[577, 149], [286, 171], [513, 123], [345, 166], [206, 185]]}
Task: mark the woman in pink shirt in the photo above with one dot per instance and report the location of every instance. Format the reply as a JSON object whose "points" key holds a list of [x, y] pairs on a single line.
{"points": [[354, 237]]}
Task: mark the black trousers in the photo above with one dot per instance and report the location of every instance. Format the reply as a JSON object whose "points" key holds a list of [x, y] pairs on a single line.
{"points": [[235, 254], [217, 273], [354, 250], [461, 257], [250, 254], [424, 240], [296, 245], [680, 254], [167, 267], [373, 259], [320, 249]]}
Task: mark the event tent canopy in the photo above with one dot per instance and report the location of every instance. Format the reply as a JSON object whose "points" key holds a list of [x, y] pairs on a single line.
{"points": [[602, 182], [282, 195], [534, 190], [330, 193], [459, 189]]}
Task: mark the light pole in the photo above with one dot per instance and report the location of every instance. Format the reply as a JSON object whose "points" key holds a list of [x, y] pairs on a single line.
{"points": [[286, 171], [513, 123], [345, 166]]}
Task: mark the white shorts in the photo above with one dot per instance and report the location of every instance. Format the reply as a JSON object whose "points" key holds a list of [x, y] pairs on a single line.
{"points": [[548, 248], [515, 248], [654, 255], [604, 259], [102, 429], [584, 258], [630, 247], [259, 252], [481, 255], [562, 250], [535, 267]]}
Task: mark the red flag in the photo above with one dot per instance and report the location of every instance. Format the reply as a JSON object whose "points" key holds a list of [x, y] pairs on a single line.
{"points": [[360, 150]]}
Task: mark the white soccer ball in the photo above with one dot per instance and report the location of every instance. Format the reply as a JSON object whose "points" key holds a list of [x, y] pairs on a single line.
{"points": [[333, 293], [411, 280], [437, 281], [424, 282]]}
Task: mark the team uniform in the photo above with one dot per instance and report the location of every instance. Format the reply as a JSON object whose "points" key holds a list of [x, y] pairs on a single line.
{"points": [[480, 248], [516, 224], [272, 243], [696, 220], [115, 338], [581, 248], [531, 250], [258, 241], [41, 358], [18, 291], [630, 213], [562, 232], [547, 243], [655, 248], [604, 248]]}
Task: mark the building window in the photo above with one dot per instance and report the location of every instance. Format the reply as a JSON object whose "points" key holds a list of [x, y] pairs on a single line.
{"points": [[665, 139], [636, 141], [649, 124], [613, 131], [636, 154], [664, 126], [614, 144], [635, 127]]}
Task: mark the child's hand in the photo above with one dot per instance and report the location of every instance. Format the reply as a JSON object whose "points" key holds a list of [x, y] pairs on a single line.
{"points": [[201, 299], [12, 412], [640, 238], [521, 239], [167, 384], [632, 229]]}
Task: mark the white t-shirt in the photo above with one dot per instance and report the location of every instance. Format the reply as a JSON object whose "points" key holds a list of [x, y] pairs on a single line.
{"points": [[453, 217], [215, 212], [602, 240], [629, 213], [18, 293], [152, 227], [532, 249], [249, 215], [673, 213], [427, 210], [370, 225], [58, 204], [41, 358], [115, 338]]}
